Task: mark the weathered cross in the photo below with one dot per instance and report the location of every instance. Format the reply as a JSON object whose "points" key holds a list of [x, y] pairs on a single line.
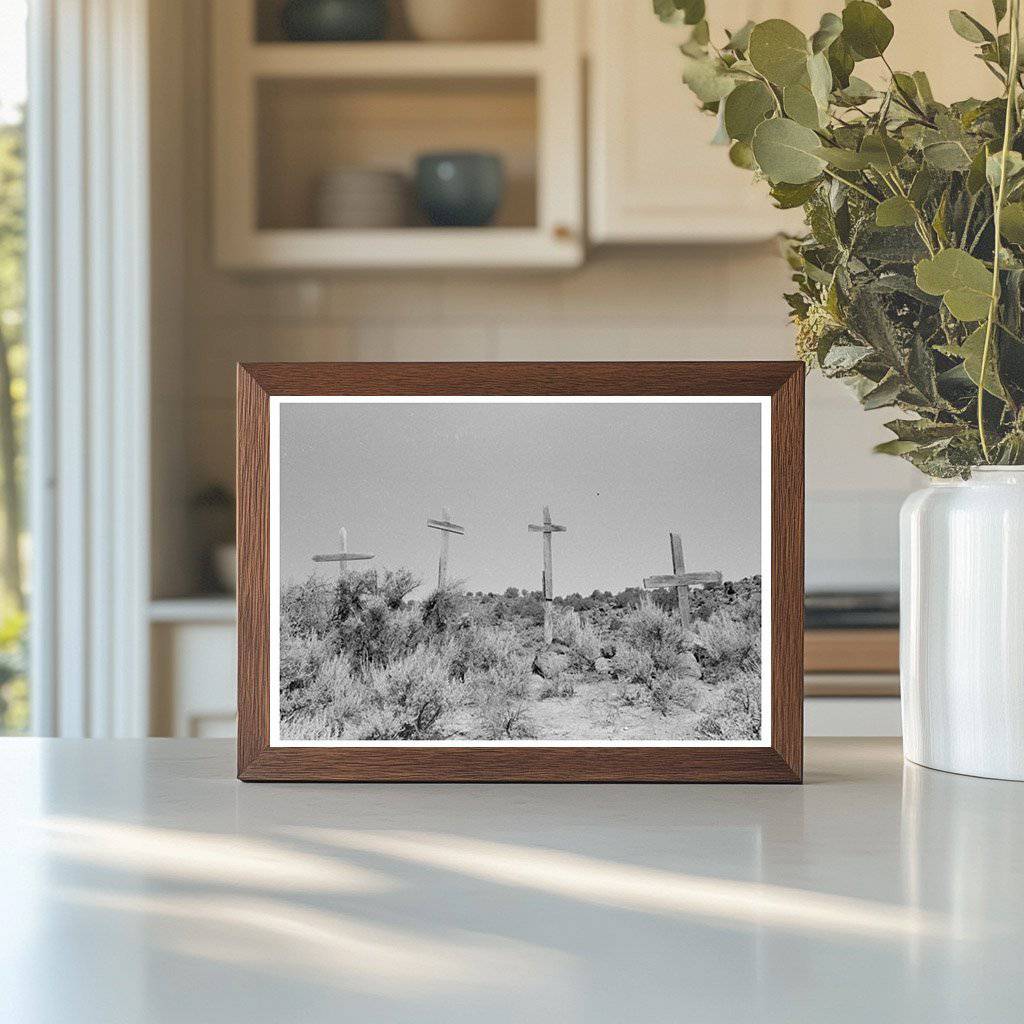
{"points": [[446, 527], [547, 529], [342, 557], [680, 579]]}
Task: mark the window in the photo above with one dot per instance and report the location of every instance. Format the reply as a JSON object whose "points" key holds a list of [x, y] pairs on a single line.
{"points": [[14, 691]]}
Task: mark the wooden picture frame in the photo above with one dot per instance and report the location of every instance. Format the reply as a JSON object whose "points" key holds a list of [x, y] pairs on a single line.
{"points": [[780, 759]]}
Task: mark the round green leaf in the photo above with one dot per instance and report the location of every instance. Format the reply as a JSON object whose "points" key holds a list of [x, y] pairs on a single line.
{"points": [[972, 351], [1012, 224], [840, 62], [787, 152], [690, 12], [896, 447], [883, 152], [844, 159], [968, 28], [707, 79], [963, 281], [866, 29], [947, 156], [740, 39], [779, 51], [819, 75], [829, 30], [741, 155], [745, 108], [801, 106], [895, 212], [788, 197]]}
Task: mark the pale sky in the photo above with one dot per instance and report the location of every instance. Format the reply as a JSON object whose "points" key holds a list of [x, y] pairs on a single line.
{"points": [[618, 476]]}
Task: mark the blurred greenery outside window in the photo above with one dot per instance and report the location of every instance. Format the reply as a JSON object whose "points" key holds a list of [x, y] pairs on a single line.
{"points": [[14, 538]]}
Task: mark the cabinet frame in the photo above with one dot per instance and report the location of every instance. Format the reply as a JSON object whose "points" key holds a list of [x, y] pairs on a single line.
{"points": [[552, 62]]}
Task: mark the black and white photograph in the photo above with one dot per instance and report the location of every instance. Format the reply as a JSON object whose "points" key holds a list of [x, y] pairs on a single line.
{"points": [[515, 571]]}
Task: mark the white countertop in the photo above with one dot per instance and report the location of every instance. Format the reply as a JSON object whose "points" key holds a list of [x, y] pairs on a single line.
{"points": [[140, 882]]}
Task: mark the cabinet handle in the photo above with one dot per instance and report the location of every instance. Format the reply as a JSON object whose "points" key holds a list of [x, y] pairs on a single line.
{"points": [[562, 232]]}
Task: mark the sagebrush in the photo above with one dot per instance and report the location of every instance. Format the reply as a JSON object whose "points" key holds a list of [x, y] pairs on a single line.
{"points": [[359, 660]]}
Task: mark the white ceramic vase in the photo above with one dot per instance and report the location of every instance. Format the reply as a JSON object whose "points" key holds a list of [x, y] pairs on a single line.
{"points": [[962, 624]]}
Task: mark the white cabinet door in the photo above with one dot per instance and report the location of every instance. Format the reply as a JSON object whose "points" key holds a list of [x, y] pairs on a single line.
{"points": [[654, 177]]}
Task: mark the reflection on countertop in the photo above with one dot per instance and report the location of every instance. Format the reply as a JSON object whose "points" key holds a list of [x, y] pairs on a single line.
{"points": [[144, 883]]}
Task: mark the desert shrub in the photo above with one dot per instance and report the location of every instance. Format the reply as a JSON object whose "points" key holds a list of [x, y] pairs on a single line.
{"points": [[395, 586], [443, 609], [688, 694], [727, 644], [310, 723], [411, 698], [353, 590], [503, 694], [306, 608], [631, 665], [299, 661], [510, 680], [337, 688], [481, 647], [579, 635], [378, 633], [563, 686], [660, 692], [506, 720], [650, 628], [349, 593], [734, 713], [528, 606]]}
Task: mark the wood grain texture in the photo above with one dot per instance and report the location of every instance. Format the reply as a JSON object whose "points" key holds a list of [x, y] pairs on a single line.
{"points": [[787, 571], [252, 486], [779, 762], [675, 543]]}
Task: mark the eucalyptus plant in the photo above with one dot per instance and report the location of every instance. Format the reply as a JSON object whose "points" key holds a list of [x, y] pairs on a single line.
{"points": [[910, 277]]}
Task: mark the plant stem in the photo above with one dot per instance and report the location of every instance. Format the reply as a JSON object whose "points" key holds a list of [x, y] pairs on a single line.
{"points": [[853, 185], [1011, 109], [910, 102]]}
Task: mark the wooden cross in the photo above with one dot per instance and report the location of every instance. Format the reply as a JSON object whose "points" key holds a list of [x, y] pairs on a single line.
{"points": [[446, 527], [547, 529], [680, 579], [342, 557]]}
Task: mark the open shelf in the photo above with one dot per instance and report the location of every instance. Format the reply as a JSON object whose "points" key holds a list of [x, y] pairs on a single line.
{"points": [[285, 114], [307, 128], [520, 22]]}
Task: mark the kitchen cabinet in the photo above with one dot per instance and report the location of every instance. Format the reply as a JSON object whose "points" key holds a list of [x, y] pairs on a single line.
{"points": [[287, 114], [654, 177]]}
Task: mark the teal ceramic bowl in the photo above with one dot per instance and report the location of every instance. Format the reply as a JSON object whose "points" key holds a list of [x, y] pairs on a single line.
{"points": [[334, 21], [460, 189]]}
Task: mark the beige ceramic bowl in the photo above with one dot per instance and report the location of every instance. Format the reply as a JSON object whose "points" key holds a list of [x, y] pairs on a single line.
{"points": [[471, 20]]}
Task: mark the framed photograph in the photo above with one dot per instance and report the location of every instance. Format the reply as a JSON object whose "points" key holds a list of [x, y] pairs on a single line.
{"points": [[511, 572]]}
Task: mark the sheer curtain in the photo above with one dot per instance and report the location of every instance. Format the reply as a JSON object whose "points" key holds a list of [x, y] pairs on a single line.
{"points": [[88, 336]]}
